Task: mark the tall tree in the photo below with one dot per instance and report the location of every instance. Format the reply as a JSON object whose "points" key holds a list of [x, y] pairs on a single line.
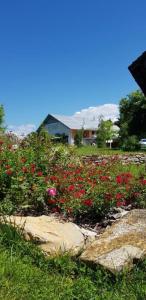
{"points": [[105, 132], [132, 119]]}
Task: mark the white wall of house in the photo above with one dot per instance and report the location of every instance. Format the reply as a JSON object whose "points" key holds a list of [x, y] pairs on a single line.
{"points": [[70, 138], [55, 127]]}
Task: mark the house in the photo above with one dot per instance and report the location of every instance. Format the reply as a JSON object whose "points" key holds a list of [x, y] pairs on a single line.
{"points": [[58, 125]]}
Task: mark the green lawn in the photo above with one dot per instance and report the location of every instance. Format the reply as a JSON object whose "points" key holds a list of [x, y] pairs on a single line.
{"points": [[93, 150], [25, 274]]}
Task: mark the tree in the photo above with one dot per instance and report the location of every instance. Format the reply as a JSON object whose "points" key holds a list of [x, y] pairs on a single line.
{"points": [[2, 114], [78, 137], [105, 132], [132, 119]]}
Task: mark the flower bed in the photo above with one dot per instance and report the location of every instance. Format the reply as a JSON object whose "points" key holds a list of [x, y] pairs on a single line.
{"points": [[31, 181], [95, 188]]}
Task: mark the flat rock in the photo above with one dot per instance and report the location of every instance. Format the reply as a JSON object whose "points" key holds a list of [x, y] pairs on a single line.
{"points": [[120, 244], [51, 234], [89, 235]]}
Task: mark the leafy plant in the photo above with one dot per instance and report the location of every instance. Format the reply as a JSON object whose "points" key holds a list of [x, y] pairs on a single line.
{"points": [[105, 133], [131, 143], [132, 119], [78, 138]]}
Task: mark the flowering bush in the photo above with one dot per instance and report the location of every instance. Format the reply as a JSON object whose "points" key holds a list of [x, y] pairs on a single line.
{"points": [[40, 178], [96, 188]]}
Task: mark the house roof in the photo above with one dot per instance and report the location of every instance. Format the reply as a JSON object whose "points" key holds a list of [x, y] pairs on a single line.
{"points": [[75, 122]]}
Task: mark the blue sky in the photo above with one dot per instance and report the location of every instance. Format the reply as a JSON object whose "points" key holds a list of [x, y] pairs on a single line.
{"points": [[61, 56]]}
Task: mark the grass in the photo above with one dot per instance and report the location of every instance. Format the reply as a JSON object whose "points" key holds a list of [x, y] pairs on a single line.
{"points": [[93, 150], [25, 274]]}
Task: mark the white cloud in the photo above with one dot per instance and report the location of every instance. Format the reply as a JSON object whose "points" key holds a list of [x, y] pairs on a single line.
{"points": [[108, 111], [21, 130]]}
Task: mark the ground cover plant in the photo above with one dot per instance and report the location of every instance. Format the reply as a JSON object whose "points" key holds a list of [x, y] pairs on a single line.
{"points": [[37, 177]]}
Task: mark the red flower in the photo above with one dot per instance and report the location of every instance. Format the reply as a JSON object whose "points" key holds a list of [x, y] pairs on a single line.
{"points": [[124, 178], [82, 192], [33, 166], [53, 178], [9, 172], [143, 181], [62, 201], [8, 167], [119, 196], [51, 201], [77, 171], [39, 173], [104, 178], [108, 196], [121, 203], [88, 202], [24, 169], [55, 209], [71, 187], [119, 179], [23, 159], [80, 185], [79, 194], [32, 170], [79, 178]]}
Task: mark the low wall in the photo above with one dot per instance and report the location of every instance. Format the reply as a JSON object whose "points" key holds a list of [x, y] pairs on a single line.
{"points": [[125, 159]]}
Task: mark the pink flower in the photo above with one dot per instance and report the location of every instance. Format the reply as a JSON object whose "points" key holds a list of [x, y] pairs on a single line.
{"points": [[52, 191]]}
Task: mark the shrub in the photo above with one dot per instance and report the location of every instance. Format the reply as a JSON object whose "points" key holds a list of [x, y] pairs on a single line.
{"points": [[30, 171], [78, 138], [131, 143]]}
